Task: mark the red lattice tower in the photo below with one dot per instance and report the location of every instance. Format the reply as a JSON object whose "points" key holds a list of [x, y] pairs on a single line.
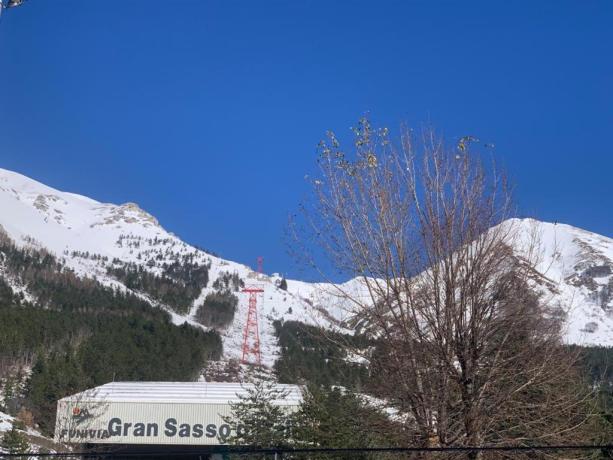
{"points": [[251, 334]]}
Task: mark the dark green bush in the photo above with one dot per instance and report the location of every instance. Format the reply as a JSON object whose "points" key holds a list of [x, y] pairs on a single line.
{"points": [[218, 309]]}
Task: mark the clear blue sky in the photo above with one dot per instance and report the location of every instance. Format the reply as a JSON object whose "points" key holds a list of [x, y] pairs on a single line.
{"points": [[207, 113]]}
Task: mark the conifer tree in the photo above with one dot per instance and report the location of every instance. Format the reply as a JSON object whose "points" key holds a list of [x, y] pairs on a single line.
{"points": [[257, 421], [15, 442], [283, 284]]}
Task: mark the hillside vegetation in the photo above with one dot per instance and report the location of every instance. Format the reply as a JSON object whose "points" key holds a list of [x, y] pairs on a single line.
{"points": [[77, 333], [311, 355]]}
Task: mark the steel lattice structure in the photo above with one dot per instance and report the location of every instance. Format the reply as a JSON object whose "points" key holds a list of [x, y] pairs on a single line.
{"points": [[251, 333]]}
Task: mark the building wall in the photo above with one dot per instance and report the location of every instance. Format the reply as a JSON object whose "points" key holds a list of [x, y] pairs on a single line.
{"points": [[99, 422]]}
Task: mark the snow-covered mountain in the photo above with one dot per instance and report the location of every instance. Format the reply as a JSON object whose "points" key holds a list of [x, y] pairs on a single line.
{"points": [[577, 278], [90, 237]]}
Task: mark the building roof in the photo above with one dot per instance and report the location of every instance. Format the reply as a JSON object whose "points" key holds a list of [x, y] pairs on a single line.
{"points": [[181, 392]]}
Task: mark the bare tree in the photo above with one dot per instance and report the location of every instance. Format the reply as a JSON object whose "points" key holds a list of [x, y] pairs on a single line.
{"points": [[466, 346]]}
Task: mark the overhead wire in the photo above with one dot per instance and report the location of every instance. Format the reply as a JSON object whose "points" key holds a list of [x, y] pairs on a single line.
{"points": [[314, 450]]}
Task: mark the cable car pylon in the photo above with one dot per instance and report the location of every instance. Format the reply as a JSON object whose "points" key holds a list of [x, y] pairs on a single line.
{"points": [[251, 353]]}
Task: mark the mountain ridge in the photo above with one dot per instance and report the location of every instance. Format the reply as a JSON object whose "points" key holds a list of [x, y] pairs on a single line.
{"points": [[99, 240], [88, 236]]}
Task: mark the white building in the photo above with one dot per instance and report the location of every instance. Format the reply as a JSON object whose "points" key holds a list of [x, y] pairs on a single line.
{"points": [[156, 413]]}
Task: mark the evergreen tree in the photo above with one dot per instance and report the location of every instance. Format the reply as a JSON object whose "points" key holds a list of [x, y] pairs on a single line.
{"points": [[257, 421], [9, 391], [283, 284], [218, 309], [311, 354], [15, 442], [327, 418], [334, 418]]}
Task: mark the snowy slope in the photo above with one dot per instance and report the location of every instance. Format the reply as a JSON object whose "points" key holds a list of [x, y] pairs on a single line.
{"points": [[577, 263], [577, 269], [70, 226], [34, 438]]}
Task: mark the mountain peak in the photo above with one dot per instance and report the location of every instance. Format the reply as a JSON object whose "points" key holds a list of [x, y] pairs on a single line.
{"points": [[98, 240], [127, 213]]}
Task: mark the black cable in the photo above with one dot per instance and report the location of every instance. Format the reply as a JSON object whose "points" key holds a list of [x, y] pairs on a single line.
{"points": [[271, 450]]}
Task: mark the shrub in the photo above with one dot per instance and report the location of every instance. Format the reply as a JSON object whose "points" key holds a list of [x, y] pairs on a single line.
{"points": [[15, 442]]}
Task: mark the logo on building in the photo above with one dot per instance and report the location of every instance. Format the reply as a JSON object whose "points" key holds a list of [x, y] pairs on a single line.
{"points": [[79, 414]]}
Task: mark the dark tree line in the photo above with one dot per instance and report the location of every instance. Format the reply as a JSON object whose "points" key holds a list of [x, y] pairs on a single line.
{"points": [[327, 417], [228, 281], [78, 334], [597, 363], [177, 287], [218, 309], [331, 418], [310, 354]]}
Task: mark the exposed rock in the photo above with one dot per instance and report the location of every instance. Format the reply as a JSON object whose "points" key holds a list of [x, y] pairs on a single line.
{"points": [[590, 327], [598, 271]]}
